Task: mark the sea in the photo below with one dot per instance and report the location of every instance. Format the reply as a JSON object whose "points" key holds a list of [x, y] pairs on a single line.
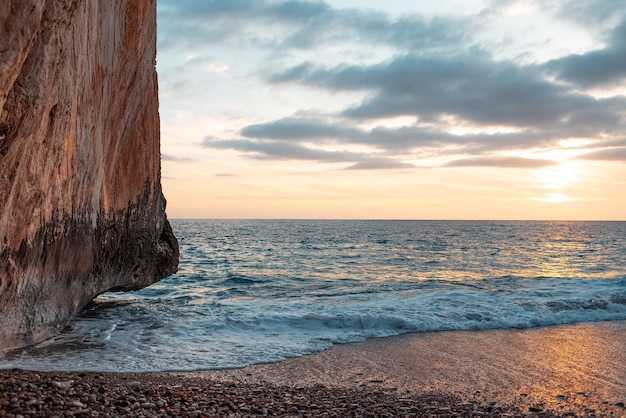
{"points": [[258, 291]]}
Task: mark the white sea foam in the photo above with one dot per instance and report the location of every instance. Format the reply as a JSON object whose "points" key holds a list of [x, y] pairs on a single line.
{"points": [[252, 291]]}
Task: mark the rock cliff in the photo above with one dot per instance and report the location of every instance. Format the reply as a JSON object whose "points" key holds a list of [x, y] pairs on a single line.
{"points": [[81, 206]]}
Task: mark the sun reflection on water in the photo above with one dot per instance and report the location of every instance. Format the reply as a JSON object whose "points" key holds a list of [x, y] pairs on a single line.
{"points": [[563, 251]]}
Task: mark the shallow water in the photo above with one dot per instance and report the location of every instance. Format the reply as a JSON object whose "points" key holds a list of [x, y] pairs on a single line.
{"points": [[261, 291]]}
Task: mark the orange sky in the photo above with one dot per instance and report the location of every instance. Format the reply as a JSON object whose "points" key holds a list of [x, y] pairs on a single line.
{"points": [[460, 110]]}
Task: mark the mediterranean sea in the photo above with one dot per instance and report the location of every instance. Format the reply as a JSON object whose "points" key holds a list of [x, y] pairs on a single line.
{"points": [[258, 291]]}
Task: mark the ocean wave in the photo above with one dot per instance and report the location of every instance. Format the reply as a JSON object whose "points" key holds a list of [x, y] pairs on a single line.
{"points": [[236, 303]]}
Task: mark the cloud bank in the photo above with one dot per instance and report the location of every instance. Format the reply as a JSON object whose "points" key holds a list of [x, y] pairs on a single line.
{"points": [[463, 103]]}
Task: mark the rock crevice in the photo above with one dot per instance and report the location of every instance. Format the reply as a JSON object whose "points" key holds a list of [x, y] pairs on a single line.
{"points": [[81, 206]]}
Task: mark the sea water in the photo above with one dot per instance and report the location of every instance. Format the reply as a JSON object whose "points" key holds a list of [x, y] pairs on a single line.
{"points": [[255, 291]]}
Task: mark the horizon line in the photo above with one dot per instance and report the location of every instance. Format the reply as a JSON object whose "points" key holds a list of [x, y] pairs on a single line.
{"points": [[393, 219]]}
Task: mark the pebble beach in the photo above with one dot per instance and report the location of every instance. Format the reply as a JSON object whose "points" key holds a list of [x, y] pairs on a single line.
{"points": [[576, 370], [146, 395]]}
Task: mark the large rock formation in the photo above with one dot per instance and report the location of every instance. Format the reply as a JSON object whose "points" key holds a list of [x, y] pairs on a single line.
{"points": [[81, 206]]}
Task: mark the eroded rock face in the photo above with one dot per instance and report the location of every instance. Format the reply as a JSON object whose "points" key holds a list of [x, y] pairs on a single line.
{"points": [[81, 206]]}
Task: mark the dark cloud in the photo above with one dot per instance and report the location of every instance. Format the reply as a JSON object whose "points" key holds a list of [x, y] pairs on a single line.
{"points": [[391, 140], [600, 68], [501, 162], [298, 24], [280, 150], [283, 150], [471, 87], [414, 137], [301, 129], [438, 77]]}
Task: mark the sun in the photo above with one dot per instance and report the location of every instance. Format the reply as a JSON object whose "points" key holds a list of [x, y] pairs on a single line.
{"points": [[557, 179]]}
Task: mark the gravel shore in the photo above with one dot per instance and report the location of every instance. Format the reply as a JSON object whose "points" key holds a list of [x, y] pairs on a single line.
{"points": [[34, 394], [573, 370]]}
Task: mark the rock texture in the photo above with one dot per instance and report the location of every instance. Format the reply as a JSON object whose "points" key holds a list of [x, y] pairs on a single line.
{"points": [[81, 206]]}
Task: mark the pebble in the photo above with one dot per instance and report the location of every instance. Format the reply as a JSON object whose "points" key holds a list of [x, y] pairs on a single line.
{"points": [[62, 385], [28, 394]]}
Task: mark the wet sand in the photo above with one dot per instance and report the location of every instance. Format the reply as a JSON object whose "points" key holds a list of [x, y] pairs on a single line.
{"points": [[555, 371], [572, 368]]}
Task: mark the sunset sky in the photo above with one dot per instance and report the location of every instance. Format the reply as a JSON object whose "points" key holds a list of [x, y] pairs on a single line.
{"points": [[394, 109]]}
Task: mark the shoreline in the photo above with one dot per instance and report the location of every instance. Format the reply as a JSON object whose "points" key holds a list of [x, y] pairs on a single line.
{"points": [[565, 368], [562, 370]]}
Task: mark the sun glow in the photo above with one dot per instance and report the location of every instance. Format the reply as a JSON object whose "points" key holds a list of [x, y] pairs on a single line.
{"points": [[558, 177], [554, 198]]}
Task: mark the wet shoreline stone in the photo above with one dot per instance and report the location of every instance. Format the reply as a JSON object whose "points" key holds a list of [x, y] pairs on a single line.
{"points": [[161, 395]]}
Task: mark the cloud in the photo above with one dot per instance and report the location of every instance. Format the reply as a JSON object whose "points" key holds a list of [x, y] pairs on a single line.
{"points": [[291, 139], [300, 129], [435, 73], [599, 68], [588, 12], [392, 140], [298, 24], [612, 143], [379, 164], [169, 157], [611, 154], [283, 150], [470, 87], [501, 162], [279, 150], [294, 11], [412, 32]]}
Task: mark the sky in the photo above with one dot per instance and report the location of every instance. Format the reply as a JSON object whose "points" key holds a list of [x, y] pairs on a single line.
{"points": [[394, 109]]}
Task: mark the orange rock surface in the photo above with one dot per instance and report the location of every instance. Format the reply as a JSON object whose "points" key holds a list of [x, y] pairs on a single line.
{"points": [[81, 206]]}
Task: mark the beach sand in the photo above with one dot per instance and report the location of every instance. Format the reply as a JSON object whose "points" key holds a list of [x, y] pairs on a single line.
{"points": [[564, 370]]}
